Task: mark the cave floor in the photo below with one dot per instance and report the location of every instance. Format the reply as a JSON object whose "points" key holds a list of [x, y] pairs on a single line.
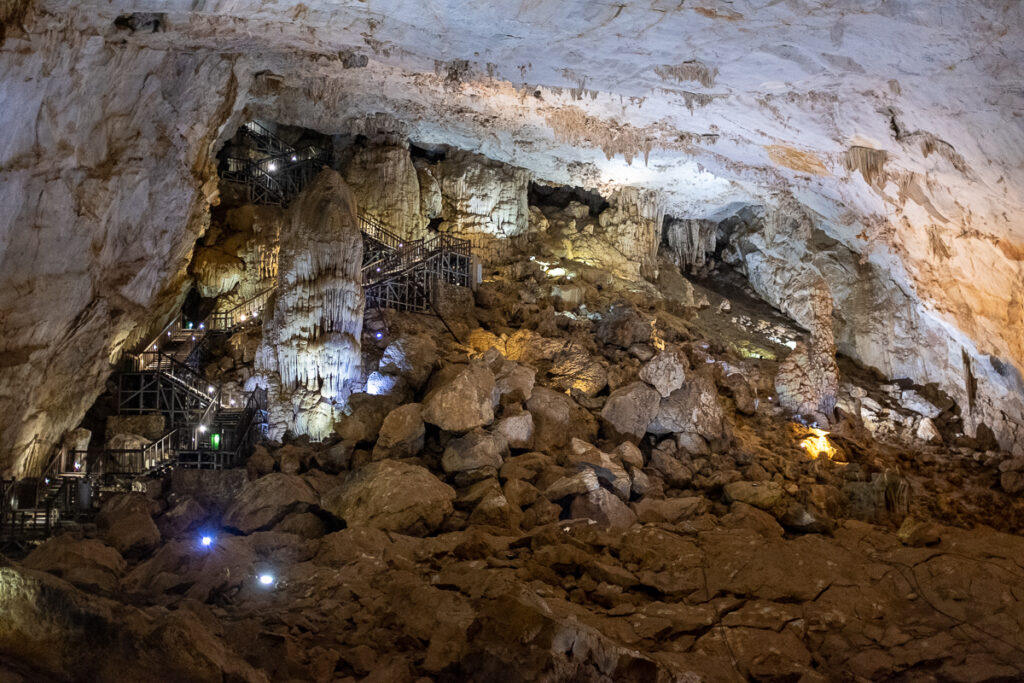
{"points": [[886, 559]]}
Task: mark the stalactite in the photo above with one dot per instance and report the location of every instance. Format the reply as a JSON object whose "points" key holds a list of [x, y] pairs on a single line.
{"points": [[632, 224], [870, 163], [689, 241]]}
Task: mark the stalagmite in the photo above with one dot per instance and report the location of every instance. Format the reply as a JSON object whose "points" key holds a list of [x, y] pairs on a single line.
{"points": [[310, 349]]}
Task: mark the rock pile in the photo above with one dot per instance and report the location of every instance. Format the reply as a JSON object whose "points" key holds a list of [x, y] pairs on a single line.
{"points": [[483, 518]]}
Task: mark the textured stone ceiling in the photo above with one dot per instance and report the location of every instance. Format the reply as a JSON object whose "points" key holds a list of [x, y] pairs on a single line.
{"points": [[715, 104]]}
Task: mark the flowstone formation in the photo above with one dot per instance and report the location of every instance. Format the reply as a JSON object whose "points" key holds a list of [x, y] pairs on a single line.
{"points": [[311, 341]]}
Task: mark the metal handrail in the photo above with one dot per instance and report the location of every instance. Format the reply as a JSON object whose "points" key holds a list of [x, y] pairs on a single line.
{"points": [[225, 320], [417, 252], [374, 228]]}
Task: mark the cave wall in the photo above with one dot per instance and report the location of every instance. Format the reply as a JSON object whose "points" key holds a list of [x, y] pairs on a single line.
{"points": [[105, 179], [876, 320]]}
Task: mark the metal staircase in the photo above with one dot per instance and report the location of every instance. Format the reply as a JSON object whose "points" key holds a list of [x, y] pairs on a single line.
{"points": [[275, 171]]}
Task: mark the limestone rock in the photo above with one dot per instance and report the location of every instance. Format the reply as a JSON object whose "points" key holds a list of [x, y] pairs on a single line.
{"points": [[912, 400], [401, 433], [622, 326], [261, 461], [557, 419], [125, 522], [927, 431], [394, 496], [87, 563], [575, 485], [694, 409], [742, 393], [474, 450], [494, 509], [604, 508], [463, 402], [628, 454], [666, 372], [676, 473], [669, 510], [610, 473], [264, 502], [363, 418], [764, 495], [514, 382], [412, 358], [630, 410], [516, 429], [576, 370], [186, 515]]}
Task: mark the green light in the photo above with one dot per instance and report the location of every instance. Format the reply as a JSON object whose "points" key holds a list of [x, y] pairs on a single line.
{"points": [[215, 441]]}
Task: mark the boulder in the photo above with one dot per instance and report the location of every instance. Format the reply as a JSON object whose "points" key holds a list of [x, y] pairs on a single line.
{"points": [[125, 522], [412, 358], [260, 462], [213, 489], [675, 473], [1012, 482], [517, 430], [392, 495], [694, 409], [264, 502], [393, 387], [464, 402], [623, 326], [557, 419], [666, 372], [303, 524], [186, 515], [520, 493], [401, 434], [604, 508], [913, 401], [760, 494], [628, 454], [629, 410], [526, 466], [474, 450], [577, 484], [610, 473], [514, 382], [363, 417], [576, 370], [669, 510], [494, 509], [87, 563], [292, 458], [927, 431], [737, 386]]}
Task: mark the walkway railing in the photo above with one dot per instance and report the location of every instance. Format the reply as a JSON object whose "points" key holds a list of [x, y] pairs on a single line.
{"points": [[245, 311]]}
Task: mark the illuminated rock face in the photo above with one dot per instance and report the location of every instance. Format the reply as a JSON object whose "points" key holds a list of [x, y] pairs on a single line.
{"points": [[310, 349], [385, 183], [103, 195]]}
